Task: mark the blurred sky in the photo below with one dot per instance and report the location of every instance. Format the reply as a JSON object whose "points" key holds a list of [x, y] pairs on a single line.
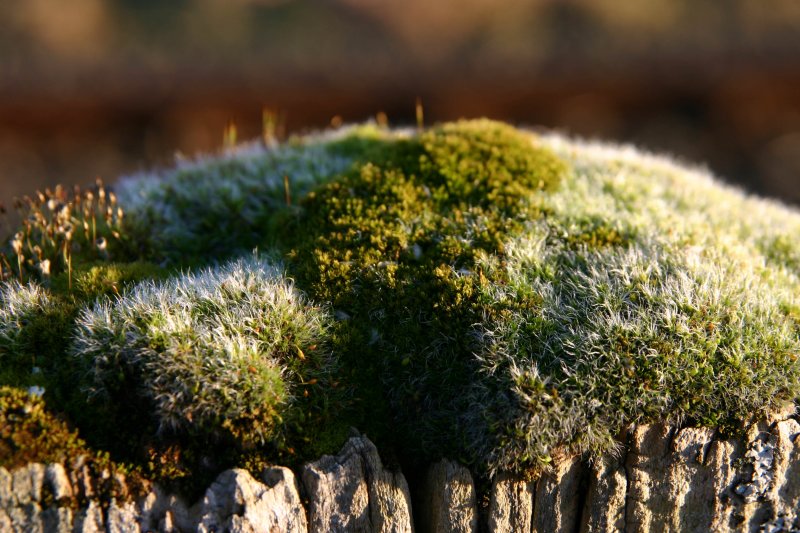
{"points": [[103, 87]]}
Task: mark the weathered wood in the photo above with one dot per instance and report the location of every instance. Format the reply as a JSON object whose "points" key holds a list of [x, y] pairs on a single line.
{"points": [[666, 479]]}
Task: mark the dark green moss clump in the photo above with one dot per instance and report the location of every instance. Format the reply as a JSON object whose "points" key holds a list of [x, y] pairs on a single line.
{"points": [[93, 280], [395, 244]]}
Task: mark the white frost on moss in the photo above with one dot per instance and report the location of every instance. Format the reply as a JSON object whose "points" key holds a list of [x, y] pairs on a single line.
{"points": [[675, 202], [18, 303], [692, 312], [207, 204], [210, 348]]}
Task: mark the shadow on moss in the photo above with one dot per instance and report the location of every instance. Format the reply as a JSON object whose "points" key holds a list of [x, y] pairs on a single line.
{"points": [[395, 245]]}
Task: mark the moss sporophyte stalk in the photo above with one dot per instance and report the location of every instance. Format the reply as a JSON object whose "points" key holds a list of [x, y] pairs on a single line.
{"points": [[471, 290]]}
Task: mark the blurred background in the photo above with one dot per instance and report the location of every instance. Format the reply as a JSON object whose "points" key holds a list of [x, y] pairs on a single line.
{"points": [[103, 87]]}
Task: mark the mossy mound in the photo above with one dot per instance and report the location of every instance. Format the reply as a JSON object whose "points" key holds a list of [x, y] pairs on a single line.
{"points": [[395, 246], [473, 291], [221, 354]]}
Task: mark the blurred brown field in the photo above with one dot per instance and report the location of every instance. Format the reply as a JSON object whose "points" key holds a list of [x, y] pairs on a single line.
{"points": [[105, 87]]}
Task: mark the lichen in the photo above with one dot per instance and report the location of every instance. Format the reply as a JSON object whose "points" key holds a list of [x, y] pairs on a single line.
{"points": [[758, 459]]}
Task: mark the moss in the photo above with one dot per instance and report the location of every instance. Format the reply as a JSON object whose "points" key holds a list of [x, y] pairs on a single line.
{"points": [[30, 433], [35, 329], [361, 143], [486, 163], [591, 233], [38, 354], [782, 250], [62, 229], [393, 245], [93, 280], [208, 366], [490, 295]]}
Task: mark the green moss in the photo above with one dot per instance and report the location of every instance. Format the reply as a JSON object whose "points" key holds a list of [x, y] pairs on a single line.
{"points": [[485, 163], [394, 246], [43, 340], [30, 433], [782, 250], [35, 330], [591, 233], [93, 280], [489, 295], [35, 352], [361, 143]]}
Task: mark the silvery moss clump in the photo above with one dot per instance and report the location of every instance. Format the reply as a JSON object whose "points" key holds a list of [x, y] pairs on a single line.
{"points": [[19, 306], [472, 290], [214, 207], [658, 292], [229, 350]]}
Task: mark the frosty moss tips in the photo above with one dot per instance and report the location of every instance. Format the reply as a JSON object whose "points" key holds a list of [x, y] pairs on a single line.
{"points": [[472, 291], [224, 351]]}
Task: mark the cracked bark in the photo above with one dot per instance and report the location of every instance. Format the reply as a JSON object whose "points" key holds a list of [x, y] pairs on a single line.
{"points": [[666, 480]]}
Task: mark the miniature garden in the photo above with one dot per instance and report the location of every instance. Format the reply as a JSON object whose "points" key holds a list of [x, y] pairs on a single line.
{"points": [[471, 290]]}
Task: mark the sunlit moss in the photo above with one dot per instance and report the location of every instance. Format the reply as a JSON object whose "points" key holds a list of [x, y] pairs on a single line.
{"points": [[394, 244], [487, 294], [232, 355]]}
